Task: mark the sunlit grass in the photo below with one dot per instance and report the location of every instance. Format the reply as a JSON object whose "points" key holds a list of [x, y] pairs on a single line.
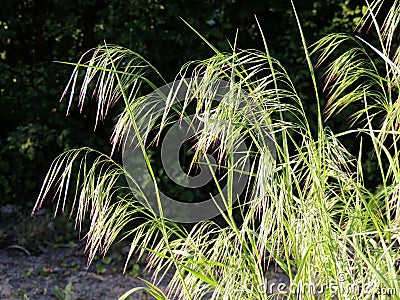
{"points": [[308, 209]]}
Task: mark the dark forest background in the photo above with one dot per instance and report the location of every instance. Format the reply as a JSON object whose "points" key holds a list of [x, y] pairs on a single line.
{"points": [[35, 34]]}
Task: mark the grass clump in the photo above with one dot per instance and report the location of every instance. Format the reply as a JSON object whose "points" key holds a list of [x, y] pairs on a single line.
{"points": [[311, 214]]}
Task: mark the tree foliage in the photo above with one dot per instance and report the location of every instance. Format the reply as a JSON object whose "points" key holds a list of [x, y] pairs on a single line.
{"points": [[34, 34]]}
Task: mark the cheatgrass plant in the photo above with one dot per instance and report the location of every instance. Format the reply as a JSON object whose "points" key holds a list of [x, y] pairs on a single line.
{"points": [[312, 214]]}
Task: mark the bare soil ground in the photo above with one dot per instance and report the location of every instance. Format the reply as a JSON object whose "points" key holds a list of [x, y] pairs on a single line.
{"points": [[60, 273], [43, 258]]}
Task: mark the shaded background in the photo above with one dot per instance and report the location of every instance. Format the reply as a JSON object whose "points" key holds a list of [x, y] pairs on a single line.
{"points": [[34, 34]]}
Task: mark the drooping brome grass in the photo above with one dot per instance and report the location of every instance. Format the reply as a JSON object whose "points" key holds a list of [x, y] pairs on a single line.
{"points": [[312, 214]]}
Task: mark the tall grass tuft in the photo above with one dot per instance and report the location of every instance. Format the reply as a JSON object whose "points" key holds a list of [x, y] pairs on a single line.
{"points": [[312, 214]]}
